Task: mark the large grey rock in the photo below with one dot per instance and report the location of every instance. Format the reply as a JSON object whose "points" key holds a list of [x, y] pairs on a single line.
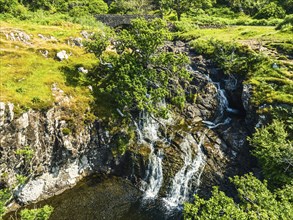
{"points": [[59, 160]]}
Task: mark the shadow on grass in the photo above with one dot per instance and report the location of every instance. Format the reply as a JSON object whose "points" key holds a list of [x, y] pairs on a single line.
{"points": [[103, 104], [73, 76]]}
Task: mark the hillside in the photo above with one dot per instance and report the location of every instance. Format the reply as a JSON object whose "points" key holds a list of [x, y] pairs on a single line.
{"points": [[185, 115]]}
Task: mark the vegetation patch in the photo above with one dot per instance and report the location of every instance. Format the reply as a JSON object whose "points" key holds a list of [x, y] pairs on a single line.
{"points": [[31, 70]]}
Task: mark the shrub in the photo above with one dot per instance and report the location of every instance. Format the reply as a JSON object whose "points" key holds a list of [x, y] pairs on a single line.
{"points": [[13, 7], [4, 196], [286, 24], [271, 10], [273, 148], [37, 214], [254, 201], [184, 26]]}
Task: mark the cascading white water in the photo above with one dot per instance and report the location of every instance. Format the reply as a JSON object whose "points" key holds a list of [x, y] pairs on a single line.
{"points": [[223, 107], [148, 134], [191, 170], [154, 174], [223, 103]]}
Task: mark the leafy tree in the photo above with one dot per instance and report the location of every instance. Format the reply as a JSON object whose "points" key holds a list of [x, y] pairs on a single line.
{"points": [[219, 206], [274, 150], [286, 24], [255, 202], [39, 4], [7, 5], [250, 7], [131, 6], [183, 6], [287, 5], [91, 6], [140, 74], [271, 10], [12, 6], [75, 7]]}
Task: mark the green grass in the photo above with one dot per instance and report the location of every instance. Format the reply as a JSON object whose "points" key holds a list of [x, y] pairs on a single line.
{"points": [[238, 33], [27, 76]]}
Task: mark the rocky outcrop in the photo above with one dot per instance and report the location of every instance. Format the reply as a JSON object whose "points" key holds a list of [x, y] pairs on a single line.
{"points": [[62, 55], [40, 146]]}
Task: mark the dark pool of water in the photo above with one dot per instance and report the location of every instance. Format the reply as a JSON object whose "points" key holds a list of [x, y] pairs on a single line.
{"points": [[110, 198]]}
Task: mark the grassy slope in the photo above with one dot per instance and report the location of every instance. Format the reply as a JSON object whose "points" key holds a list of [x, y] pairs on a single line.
{"points": [[27, 76]]}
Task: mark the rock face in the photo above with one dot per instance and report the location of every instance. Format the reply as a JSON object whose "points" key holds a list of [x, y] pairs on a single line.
{"points": [[36, 144]]}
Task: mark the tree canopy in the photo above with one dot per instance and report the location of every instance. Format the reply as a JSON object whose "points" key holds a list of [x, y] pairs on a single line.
{"points": [[183, 6], [139, 74], [274, 150]]}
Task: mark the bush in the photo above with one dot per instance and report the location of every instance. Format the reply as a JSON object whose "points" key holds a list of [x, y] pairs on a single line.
{"points": [[286, 24], [182, 26], [271, 10], [12, 7], [273, 148], [287, 5], [37, 214], [254, 201], [88, 7], [222, 12], [4, 196]]}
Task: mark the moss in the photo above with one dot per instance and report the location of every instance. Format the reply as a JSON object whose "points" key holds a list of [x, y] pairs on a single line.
{"points": [[66, 131]]}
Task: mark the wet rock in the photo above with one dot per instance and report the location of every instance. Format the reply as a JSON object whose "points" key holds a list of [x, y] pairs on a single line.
{"points": [[30, 192], [58, 161], [251, 116]]}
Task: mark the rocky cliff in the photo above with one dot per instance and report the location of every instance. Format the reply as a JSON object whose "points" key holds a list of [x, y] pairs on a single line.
{"points": [[214, 122]]}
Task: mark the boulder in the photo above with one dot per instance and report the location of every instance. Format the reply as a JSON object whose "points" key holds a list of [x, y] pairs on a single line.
{"points": [[82, 70], [62, 55]]}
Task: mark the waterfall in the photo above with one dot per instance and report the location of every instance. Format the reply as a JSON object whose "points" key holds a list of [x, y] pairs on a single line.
{"points": [[192, 169], [154, 174], [223, 108], [223, 103], [147, 130]]}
